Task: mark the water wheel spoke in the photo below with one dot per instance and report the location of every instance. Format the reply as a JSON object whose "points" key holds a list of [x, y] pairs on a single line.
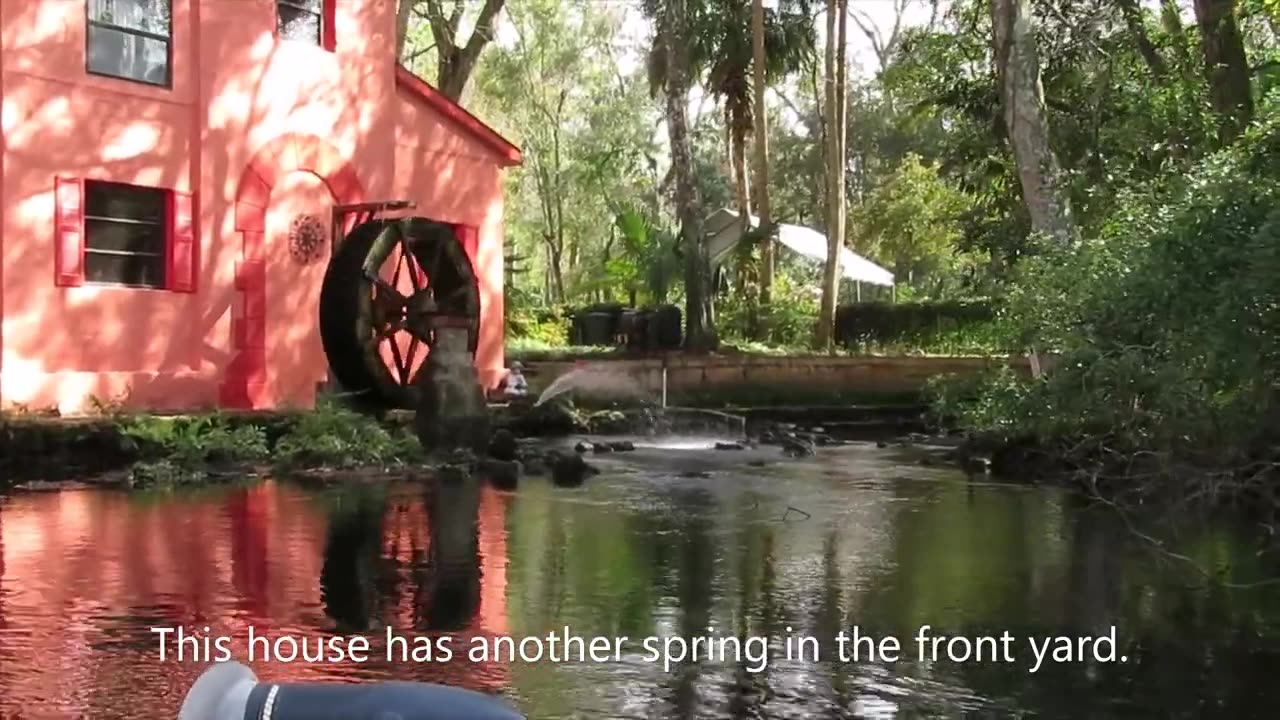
{"points": [[411, 259], [413, 351], [400, 261], [384, 292], [402, 368]]}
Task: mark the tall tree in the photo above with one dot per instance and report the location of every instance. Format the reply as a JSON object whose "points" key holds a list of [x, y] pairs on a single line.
{"points": [[1226, 65], [672, 40], [456, 58], [758, 82], [1026, 122], [722, 45], [834, 135]]}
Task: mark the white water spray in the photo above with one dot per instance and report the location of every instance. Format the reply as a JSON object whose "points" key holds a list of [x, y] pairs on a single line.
{"points": [[598, 381]]}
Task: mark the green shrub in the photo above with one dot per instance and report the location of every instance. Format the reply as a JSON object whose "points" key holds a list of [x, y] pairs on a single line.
{"points": [[1167, 325], [931, 326], [192, 441], [335, 436]]}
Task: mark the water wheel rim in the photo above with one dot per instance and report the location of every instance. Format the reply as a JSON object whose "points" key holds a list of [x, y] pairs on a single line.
{"points": [[412, 274]]}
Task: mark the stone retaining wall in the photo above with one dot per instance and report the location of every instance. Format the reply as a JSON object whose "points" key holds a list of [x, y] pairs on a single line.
{"points": [[777, 376]]}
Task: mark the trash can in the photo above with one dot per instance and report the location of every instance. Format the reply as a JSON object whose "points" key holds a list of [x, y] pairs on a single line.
{"points": [[668, 327], [597, 328]]}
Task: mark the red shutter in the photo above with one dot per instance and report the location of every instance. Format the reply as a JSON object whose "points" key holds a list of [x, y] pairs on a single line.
{"points": [[68, 232], [328, 34], [182, 243]]}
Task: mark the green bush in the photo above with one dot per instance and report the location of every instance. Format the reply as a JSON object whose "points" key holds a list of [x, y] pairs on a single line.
{"points": [[335, 436], [541, 328], [931, 326], [191, 441], [1167, 326]]}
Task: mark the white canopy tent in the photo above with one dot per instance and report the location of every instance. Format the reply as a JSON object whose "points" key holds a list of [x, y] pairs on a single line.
{"points": [[724, 230]]}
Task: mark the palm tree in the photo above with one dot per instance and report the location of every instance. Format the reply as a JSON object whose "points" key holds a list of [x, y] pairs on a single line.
{"points": [[721, 50], [674, 26]]}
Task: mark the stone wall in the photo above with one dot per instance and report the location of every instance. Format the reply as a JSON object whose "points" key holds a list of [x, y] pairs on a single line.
{"points": [[752, 377]]}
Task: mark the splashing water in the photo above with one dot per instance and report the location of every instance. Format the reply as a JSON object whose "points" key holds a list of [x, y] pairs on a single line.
{"points": [[596, 381]]}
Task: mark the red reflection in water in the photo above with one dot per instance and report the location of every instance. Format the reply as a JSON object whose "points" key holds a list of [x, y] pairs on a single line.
{"points": [[85, 575]]}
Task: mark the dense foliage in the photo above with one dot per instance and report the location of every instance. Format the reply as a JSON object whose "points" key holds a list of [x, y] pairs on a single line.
{"points": [[1166, 326]]}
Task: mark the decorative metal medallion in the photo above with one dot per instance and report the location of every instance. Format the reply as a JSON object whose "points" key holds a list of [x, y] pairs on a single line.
{"points": [[306, 239]]}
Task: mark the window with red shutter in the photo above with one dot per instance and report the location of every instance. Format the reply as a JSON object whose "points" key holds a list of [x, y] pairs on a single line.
{"points": [[125, 237], [68, 232], [182, 243]]}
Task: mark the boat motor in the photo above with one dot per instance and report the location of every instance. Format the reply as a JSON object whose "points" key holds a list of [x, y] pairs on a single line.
{"points": [[230, 691]]}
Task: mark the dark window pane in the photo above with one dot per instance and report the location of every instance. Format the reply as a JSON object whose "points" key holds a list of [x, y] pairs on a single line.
{"points": [[150, 15], [114, 52], [139, 270], [125, 202], [299, 22], [124, 237]]}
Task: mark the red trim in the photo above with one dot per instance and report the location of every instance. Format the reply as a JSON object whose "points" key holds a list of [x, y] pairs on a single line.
{"points": [[68, 232], [509, 153], [328, 25], [181, 241]]}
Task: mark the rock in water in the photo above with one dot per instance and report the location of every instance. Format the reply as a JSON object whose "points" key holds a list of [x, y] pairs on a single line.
{"points": [[502, 474], [570, 470], [622, 446], [600, 448], [795, 447], [730, 446], [582, 446], [503, 446]]}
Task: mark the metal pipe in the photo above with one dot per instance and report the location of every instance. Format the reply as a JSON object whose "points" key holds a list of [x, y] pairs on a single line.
{"points": [[230, 691]]}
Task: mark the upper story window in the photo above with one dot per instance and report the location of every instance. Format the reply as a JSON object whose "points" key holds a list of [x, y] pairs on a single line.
{"points": [[300, 20], [130, 39], [125, 228]]}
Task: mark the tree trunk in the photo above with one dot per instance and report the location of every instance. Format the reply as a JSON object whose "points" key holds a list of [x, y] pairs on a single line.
{"points": [[834, 135], [762, 155], [1026, 121], [1135, 24], [1226, 66], [700, 334], [457, 62], [404, 10]]}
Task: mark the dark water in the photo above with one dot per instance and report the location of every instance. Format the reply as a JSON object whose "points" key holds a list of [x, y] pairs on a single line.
{"points": [[851, 538]]}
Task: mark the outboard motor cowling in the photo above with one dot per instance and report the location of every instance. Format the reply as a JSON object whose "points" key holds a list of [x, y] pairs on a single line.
{"points": [[230, 691]]}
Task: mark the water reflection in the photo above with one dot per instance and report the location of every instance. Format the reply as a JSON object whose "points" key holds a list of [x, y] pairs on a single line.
{"points": [[84, 576]]}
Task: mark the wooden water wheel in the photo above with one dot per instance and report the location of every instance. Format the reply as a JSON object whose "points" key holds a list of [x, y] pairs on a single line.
{"points": [[389, 285]]}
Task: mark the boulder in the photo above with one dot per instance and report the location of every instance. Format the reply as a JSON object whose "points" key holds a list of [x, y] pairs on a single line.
{"points": [[601, 448], [502, 474], [503, 446], [570, 470], [622, 446], [796, 447], [730, 446]]}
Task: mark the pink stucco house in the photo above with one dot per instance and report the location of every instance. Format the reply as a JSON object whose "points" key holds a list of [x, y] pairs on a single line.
{"points": [[170, 170]]}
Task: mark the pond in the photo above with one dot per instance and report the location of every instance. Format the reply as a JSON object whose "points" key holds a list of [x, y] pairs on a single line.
{"points": [[668, 542]]}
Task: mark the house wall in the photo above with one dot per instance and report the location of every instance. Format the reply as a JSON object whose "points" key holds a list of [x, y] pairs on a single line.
{"points": [[261, 130]]}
